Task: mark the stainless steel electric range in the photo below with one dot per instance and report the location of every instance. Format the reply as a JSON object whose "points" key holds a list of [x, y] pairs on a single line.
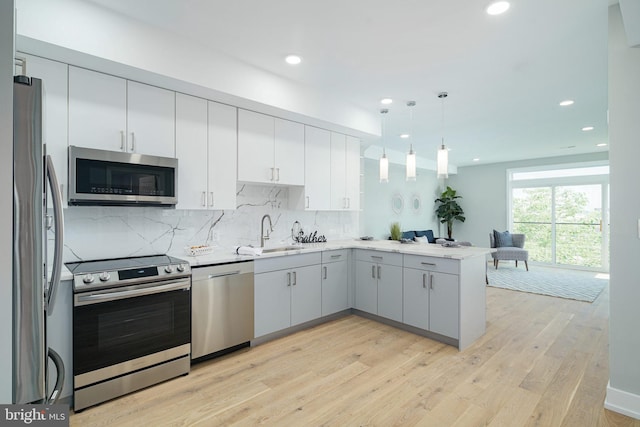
{"points": [[131, 325]]}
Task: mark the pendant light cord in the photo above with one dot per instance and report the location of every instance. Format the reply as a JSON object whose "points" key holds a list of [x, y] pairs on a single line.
{"points": [[442, 96]]}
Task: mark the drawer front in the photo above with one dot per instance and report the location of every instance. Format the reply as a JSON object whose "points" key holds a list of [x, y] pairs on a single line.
{"points": [[442, 265], [335, 256], [379, 257], [286, 262]]}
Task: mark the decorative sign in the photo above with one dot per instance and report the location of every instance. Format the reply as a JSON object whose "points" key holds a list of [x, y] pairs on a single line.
{"points": [[310, 238]]}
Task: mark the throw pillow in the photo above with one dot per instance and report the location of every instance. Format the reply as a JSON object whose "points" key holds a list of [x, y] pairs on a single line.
{"points": [[408, 235], [502, 239], [421, 239], [428, 234]]}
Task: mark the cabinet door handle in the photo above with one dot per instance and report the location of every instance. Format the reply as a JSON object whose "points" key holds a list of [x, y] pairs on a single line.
{"points": [[272, 174], [325, 273], [335, 256], [428, 263], [277, 174], [307, 202], [202, 201], [288, 279], [376, 257], [424, 280], [295, 278], [373, 271], [133, 141], [122, 141], [431, 281], [379, 268], [211, 198]]}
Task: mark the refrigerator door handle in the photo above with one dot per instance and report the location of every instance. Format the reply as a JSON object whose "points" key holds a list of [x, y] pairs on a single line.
{"points": [[58, 222], [57, 388]]}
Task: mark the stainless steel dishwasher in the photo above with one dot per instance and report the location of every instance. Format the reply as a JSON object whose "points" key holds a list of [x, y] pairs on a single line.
{"points": [[221, 308]]}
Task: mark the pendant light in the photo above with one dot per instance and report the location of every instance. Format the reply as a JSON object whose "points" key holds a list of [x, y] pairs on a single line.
{"points": [[384, 161], [443, 153], [411, 156]]}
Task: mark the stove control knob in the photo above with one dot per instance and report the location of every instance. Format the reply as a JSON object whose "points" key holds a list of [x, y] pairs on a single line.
{"points": [[104, 277], [88, 278], [181, 268], [168, 269]]}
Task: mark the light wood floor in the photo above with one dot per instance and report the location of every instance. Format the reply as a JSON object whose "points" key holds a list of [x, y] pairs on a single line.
{"points": [[542, 362]]}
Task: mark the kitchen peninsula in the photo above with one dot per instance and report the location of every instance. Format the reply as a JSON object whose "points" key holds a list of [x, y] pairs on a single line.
{"points": [[434, 291]]}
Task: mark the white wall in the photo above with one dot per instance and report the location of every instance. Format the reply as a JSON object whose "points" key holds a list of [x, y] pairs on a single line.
{"points": [[484, 194], [6, 194], [623, 393], [377, 214]]}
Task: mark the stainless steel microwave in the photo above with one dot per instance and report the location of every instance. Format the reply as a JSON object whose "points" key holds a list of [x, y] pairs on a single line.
{"points": [[113, 178]]}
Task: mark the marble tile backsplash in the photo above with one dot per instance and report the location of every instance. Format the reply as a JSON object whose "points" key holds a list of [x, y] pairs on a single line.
{"points": [[113, 232]]}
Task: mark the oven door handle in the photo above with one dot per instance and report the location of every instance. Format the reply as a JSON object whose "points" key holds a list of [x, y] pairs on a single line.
{"points": [[95, 298]]}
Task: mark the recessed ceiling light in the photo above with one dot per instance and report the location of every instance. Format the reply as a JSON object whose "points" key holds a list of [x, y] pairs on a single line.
{"points": [[476, 159], [293, 59], [386, 101], [566, 102], [498, 7], [587, 128], [602, 144], [404, 135]]}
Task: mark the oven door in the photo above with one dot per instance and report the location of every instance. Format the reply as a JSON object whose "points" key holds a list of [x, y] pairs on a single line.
{"points": [[143, 323]]}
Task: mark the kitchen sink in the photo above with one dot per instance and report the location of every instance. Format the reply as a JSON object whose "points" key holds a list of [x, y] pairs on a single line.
{"points": [[282, 249]]}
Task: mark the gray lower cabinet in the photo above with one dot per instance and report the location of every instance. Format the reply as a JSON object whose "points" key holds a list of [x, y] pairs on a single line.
{"points": [[378, 287], [443, 305], [416, 298], [431, 295], [287, 292], [335, 281]]}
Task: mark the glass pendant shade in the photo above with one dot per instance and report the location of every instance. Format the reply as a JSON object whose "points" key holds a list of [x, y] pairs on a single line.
{"points": [[384, 168], [443, 162], [411, 165]]}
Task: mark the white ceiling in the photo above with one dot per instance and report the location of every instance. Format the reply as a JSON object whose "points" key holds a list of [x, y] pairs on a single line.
{"points": [[505, 74]]}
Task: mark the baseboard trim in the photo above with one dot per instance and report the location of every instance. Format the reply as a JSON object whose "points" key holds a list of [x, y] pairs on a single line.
{"points": [[623, 402]]}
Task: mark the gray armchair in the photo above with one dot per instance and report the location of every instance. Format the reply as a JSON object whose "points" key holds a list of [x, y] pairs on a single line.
{"points": [[508, 253]]}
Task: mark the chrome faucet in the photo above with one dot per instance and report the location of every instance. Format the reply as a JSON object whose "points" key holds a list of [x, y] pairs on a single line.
{"points": [[264, 237]]}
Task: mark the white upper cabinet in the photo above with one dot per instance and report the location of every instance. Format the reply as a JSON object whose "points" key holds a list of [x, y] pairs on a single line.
{"points": [[255, 147], [352, 176], [97, 110], [150, 120], [206, 150], [111, 113], [289, 152], [270, 150], [338, 171], [54, 132], [191, 149], [316, 193], [345, 172], [223, 149]]}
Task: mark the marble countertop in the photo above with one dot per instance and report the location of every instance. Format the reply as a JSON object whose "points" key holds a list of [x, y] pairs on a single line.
{"points": [[222, 255], [226, 255]]}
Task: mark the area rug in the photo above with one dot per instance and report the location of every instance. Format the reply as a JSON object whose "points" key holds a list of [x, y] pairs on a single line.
{"points": [[556, 282]]}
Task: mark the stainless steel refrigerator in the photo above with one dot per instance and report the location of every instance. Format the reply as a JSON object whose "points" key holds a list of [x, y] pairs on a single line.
{"points": [[33, 292]]}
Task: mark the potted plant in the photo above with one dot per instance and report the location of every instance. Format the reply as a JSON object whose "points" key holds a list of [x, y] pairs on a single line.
{"points": [[449, 210], [396, 233]]}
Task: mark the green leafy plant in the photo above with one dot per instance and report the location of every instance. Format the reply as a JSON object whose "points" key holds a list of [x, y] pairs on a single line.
{"points": [[396, 234], [449, 210]]}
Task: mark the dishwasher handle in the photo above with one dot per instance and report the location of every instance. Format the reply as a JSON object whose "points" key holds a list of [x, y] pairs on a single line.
{"points": [[228, 273]]}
